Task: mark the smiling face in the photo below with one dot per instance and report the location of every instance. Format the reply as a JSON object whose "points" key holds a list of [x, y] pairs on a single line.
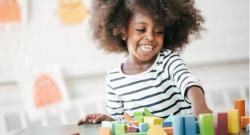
{"points": [[144, 39]]}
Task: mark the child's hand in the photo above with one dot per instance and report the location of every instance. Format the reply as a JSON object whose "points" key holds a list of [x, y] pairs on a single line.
{"points": [[200, 110], [94, 118]]}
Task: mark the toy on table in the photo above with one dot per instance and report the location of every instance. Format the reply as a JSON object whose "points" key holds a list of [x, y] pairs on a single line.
{"points": [[144, 123]]}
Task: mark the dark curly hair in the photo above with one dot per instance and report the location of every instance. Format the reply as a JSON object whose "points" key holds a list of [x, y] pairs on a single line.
{"points": [[179, 17]]}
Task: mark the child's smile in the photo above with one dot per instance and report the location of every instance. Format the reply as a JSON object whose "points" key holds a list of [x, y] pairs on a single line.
{"points": [[144, 38]]}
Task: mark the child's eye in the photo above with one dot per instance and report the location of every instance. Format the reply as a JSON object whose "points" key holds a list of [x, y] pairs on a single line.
{"points": [[159, 32], [140, 30]]}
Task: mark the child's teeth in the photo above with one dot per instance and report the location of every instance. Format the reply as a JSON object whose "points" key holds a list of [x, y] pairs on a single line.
{"points": [[146, 47]]}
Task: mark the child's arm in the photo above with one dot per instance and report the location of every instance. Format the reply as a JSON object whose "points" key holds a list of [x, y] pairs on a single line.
{"points": [[197, 99], [94, 118]]}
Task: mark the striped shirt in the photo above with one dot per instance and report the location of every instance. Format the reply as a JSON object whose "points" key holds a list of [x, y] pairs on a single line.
{"points": [[161, 89]]}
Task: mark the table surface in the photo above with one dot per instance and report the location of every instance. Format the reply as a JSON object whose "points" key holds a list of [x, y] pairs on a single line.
{"points": [[70, 129]]}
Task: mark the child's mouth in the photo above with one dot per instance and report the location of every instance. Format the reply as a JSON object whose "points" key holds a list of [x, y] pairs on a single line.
{"points": [[146, 48]]}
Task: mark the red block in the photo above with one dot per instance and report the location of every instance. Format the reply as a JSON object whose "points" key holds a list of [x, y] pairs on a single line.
{"points": [[222, 124]]}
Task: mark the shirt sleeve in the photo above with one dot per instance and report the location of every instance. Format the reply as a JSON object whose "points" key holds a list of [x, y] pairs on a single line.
{"points": [[114, 103], [181, 76]]}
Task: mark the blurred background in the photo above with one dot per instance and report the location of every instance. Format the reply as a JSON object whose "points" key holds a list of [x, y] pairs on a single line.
{"points": [[35, 34]]}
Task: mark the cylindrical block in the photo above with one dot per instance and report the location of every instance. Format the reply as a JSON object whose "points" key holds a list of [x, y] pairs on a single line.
{"points": [[233, 121]]}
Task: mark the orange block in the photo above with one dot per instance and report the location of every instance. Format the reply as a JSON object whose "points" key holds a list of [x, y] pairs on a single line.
{"points": [[105, 131], [168, 130], [127, 117], [240, 105], [135, 122], [244, 121]]}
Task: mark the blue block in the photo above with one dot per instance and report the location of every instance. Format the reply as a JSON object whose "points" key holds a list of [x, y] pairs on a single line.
{"points": [[197, 127], [190, 126], [178, 125], [143, 127], [166, 124], [248, 128], [170, 118]]}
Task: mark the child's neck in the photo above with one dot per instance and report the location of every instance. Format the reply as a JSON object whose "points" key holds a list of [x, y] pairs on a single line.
{"points": [[135, 66]]}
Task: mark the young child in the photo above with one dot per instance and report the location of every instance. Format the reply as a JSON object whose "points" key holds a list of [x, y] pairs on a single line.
{"points": [[154, 76]]}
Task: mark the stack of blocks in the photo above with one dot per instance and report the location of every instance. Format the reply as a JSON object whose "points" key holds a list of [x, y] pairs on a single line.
{"points": [[144, 123]]}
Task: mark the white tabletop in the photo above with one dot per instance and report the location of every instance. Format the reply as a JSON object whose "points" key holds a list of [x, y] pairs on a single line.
{"points": [[91, 129]]}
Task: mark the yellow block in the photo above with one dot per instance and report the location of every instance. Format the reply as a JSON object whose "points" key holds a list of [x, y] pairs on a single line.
{"points": [[156, 130], [233, 121], [152, 121]]}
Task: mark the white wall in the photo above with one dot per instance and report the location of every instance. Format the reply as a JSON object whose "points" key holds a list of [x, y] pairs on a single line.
{"points": [[220, 59]]}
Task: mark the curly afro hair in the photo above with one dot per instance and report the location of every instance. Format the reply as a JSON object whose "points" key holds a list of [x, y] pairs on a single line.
{"points": [[179, 17]]}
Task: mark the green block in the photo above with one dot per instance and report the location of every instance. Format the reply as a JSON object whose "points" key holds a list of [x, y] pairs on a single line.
{"points": [[137, 133], [139, 118], [206, 124], [138, 114], [147, 112], [119, 129]]}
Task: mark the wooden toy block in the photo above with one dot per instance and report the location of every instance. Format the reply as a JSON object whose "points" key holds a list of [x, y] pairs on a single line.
{"points": [[119, 129], [127, 117], [152, 121], [197, 127], [109, 124], [168, 122], [233, 121], [248, 128], [138, 114], [240, 105], [143, 127], [168, 130], [130, 129], [156, 130], [138, 133], [178, 125], [206, 124], [244, 121], [139, 118], [189, 125], [221, 125], [147, 112], [135, 122], [105, 131]]}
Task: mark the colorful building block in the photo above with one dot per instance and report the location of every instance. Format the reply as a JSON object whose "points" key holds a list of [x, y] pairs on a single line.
{"points": [[138, 114], [105, 131], [152, 121], [139, 118], [233, 121], [168, 122], [240, 105], [248, 128], [221, 125], [168, 130], [119, 129], [127, 117], [146, 112], [143, 127], [137, 133], [197, 127], [156, 130], [189, 125], [109, 124], [178, 125], [206, 124], [244, 121]]}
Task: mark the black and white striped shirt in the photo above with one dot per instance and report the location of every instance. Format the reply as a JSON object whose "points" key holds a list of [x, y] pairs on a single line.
{"points": [[161, 89]]}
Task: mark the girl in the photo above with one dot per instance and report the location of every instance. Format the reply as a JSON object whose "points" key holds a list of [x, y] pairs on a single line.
{"points": [[154, 76]]}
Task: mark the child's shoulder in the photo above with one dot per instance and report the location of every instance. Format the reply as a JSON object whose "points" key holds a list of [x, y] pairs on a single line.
{"points": [[167, 52]]}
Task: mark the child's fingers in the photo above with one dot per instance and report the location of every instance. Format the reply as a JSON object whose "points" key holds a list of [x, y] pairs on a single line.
{"points": [[99, 118]]}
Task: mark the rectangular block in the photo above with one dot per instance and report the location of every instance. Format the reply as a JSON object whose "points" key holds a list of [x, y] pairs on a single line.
{"points": [[168, 130], [152, 121], [233, 121], [143, 127], [221, 125], [105, 131], [138, 114], [178, 125], [127, 117], [206, 124], [189, 123], [240, 105], [119, 129], [147, 112]]}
